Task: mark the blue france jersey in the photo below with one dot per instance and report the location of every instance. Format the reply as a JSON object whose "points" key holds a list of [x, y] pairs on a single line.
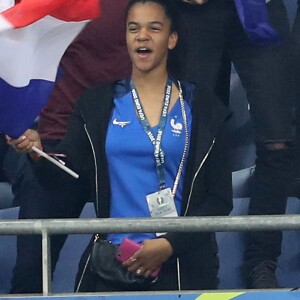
{"points": [[131, 162]]}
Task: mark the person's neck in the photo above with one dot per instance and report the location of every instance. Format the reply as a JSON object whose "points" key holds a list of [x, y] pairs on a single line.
{"points": [[151, 82], [151, 89]]}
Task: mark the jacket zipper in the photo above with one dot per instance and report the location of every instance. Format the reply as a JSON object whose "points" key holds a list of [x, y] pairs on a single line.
{"points": [[189, 199], [96, 167], [97, 192], [196, 174]]}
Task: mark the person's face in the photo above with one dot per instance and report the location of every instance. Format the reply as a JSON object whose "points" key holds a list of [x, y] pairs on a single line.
{"points": [[149, 36]]}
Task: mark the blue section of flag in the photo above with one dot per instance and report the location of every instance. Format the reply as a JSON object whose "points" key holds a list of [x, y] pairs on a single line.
{"points": [[254, 17], [17, 112]]}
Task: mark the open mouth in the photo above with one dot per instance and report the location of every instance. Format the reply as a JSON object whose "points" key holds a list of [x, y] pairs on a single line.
{"points": [[143, 51]]}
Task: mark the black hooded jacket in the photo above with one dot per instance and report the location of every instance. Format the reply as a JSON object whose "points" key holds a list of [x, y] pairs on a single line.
{"points": [[207, 185]]}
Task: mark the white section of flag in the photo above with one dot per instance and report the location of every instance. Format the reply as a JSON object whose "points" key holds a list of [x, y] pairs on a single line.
{"points": [[4, 24], [34, 51], [6, 4]]}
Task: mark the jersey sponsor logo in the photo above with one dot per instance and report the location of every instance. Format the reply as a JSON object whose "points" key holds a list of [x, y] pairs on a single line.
{"points": [[121, 123], [177, 127]]}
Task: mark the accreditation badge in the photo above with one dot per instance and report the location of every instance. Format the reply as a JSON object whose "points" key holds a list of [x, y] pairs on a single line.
{"points": [[162, 205]]}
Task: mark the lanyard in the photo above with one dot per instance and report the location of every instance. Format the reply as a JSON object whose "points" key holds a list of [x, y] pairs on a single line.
{"points": [[159, 154]]}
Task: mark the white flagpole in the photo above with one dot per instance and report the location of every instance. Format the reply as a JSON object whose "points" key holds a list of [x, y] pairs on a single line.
{"points": [[54, 161]]}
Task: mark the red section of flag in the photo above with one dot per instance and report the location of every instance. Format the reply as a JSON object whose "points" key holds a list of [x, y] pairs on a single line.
{"points": [[78, 10], [29, 11]]}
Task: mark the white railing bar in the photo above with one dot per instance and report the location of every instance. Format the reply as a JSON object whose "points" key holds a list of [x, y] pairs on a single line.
{"points": [[180, 224], [47, 227], [46, 262]]}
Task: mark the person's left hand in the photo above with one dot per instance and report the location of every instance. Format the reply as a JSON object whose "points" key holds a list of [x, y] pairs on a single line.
{"points": [[152, 255]]}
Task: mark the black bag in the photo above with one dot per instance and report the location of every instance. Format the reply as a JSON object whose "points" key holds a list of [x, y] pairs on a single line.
{"points": [[104, 264]]}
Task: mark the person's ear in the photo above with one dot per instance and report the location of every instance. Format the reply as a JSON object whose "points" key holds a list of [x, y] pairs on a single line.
{"points": [[172, 40]]}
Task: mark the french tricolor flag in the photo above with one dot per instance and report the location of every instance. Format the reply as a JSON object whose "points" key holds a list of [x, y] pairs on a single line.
{"points": [[34, 34]]}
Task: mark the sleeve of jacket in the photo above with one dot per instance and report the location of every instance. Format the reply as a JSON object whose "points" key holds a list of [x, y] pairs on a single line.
{"points": [[75, 146], [218, 181], [217, 202]]}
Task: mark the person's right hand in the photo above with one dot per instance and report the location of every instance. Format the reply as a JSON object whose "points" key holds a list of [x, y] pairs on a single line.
{"points": [[26, 141], [152, 254]]}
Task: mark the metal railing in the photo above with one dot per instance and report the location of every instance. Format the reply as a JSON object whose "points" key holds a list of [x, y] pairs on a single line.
{"points": [[46, 228]]}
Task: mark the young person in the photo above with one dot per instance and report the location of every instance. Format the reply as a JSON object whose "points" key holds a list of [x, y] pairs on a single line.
{"points": [[146, 137]]}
